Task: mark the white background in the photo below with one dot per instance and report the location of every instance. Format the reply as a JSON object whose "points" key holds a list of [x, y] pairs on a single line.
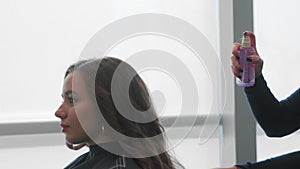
{"points": [[275, 26], [40, 39]]}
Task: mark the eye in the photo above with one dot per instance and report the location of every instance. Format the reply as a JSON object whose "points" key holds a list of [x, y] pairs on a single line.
{"points": [[72, 100]]}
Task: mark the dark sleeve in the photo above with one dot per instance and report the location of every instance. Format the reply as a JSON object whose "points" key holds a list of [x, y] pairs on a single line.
{"points": [[291, 160], [277, 118]]}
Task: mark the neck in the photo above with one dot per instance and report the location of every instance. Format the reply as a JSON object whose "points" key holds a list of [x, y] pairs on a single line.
{"points": [[99, 140]]}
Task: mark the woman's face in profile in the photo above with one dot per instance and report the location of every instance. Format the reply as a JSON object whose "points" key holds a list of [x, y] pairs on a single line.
{"points": [[77, 112]]}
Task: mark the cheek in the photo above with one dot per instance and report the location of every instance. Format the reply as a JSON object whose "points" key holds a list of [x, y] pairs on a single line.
{"points": [[76, 134], [89, 119]]}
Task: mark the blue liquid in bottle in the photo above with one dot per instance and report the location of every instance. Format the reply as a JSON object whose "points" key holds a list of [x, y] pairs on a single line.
{"points": [[248, 76]]}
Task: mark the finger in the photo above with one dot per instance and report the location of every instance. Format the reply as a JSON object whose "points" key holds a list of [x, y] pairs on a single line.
{"points": [[255, 59], [235, 72], [235, 62], [236, 49]]}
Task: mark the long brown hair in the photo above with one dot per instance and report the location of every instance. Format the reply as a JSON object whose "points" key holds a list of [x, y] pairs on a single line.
{"points": [[99, 75]]}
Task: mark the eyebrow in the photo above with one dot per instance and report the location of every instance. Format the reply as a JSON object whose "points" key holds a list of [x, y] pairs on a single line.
{"points": [[68, 92]]}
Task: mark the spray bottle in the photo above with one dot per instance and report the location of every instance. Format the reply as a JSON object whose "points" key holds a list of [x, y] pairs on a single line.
{"points": [[248, 76]]}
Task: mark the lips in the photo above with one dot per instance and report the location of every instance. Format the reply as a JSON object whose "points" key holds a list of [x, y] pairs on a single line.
{"points": [[64, 127]]}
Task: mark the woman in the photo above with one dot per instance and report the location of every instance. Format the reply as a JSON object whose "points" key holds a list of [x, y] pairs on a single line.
{"points": [[277, 118], [107, 107]]}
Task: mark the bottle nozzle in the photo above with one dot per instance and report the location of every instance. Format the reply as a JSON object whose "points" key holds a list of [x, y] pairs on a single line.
{"points": [[246, 40]]}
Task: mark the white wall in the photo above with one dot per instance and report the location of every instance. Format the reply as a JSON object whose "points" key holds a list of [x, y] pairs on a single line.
{"points": [[39, 39], [276, 26]]}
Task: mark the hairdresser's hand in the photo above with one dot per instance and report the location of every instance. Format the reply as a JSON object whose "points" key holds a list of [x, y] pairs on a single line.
{"points": [[255, 59]]}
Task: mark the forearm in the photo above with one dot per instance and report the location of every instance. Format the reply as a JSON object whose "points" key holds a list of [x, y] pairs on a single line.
{"points": [[291, 160], [276, 118]]}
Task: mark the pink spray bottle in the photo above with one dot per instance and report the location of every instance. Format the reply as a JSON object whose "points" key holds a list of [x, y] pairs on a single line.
{"points": [[248, 76]]}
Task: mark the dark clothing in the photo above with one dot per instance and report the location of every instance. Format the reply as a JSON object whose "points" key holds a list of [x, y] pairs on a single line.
{"points": [[287, 161], [277, 119], [98, 158]]}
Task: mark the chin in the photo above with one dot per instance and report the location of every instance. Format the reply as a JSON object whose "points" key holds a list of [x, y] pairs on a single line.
{"points": [[74, 140]]}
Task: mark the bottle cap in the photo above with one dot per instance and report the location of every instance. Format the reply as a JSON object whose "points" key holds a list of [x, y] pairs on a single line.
{"points": [[246, 41]]}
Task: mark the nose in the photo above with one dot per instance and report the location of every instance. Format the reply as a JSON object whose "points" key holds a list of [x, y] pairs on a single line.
{"points": [[60, 112]]}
